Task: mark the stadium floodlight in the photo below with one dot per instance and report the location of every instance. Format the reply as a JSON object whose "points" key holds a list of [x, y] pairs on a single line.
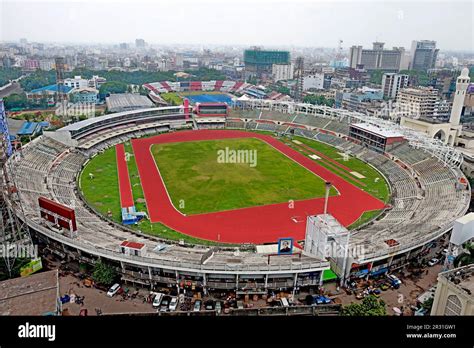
{"points": [[326, 197]]}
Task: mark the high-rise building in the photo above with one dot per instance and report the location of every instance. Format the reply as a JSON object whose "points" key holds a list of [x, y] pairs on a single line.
{"points": [[376, 58], [259, 63], [140, 43], [423, 55], [392, 83], [282, 72], [313, 81], [421, 102]]}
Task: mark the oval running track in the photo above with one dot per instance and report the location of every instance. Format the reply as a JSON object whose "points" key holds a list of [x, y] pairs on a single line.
{"points": [[259, 224]]}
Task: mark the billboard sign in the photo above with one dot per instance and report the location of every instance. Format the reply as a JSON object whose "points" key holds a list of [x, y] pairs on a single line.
{"points": [[57, 213], [285, 246], [31, 267]]}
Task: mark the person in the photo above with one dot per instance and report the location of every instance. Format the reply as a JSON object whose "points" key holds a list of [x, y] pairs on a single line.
{"points": [[285, 247]]}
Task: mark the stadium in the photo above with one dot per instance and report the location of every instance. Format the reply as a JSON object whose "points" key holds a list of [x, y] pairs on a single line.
{"points": [[119, 188]]}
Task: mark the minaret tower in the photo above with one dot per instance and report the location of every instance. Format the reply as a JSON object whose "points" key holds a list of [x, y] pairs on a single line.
{"points": [[462, 83]]}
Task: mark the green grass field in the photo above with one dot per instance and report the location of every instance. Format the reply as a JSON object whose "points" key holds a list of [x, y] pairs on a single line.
{"points": [[102, 192], [374, 182], [205, 185]]}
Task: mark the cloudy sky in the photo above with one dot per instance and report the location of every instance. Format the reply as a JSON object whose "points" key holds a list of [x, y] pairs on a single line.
{"points": [[312, 23]]}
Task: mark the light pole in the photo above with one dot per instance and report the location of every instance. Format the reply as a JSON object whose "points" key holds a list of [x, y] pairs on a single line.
{"points": [[326, 197]]}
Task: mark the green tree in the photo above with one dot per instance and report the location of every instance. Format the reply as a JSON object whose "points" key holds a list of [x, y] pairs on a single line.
{"points": [[7, 74], [15, 101], [370, 306], [103, 273], [113, 87], [427, 304], [376, 77], [318, 100], [467, 257]]}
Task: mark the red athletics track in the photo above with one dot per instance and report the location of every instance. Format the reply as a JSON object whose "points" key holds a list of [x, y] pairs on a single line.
{"points": [[126, 195], [247, 225]]}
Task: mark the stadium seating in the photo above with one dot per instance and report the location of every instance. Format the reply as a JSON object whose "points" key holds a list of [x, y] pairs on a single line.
{"points": [[424, 199]]}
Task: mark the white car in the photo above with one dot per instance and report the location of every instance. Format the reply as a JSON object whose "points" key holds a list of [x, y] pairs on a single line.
{"points": [[197, 306], [433, 261], [113, 290], [157, 300], [173, 303]]}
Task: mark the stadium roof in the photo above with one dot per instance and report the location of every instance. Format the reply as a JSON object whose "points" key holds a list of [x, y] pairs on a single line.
{"points": [[127, 101], [89, 121], [380, 131], [52, 88]]}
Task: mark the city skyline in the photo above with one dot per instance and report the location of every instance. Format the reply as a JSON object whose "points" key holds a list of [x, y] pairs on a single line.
{"points": [[396, 23]]}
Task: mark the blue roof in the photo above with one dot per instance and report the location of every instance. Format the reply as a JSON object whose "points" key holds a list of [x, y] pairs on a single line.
{"points": [[44, 124], [52, 88], [28, 128]]}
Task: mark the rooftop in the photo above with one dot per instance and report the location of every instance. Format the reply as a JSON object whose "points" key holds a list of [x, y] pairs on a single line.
{"points": [[52, 88], [374, 129], [127, 101], [32, 295], [462, 277]]}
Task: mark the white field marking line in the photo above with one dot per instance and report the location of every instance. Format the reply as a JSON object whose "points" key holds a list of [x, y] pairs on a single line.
{"points": [[162, 180], [293, 160], [120, 190]]}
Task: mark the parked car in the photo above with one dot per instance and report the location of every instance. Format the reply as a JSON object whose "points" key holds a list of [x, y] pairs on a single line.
{"points": [[173, 303], [157, 300], [433, 261], [165, 301], [284, 302], [321, 300], [197, 306], [218, 307], [394, 281], [113, 290], [445, 252]]}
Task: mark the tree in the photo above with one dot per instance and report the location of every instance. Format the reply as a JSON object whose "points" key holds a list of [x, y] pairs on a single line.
{"points": [[427, 304], [376, 77], [103, 273], [465, 258], [15, 101], [370, 306], [113, 87], [318, 100]]}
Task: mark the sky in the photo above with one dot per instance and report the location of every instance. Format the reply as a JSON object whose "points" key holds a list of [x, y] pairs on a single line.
{"points": [[272, 23]]}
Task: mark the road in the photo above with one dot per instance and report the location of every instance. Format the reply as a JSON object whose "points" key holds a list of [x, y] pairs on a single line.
{"points": [[14, 88]]}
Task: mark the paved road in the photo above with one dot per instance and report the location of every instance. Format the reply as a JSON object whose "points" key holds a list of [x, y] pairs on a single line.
{"points": [[14, 88]]}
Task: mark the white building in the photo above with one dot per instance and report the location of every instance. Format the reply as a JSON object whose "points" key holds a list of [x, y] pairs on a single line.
{"points": [[46, 64], [281, 72], [392, 83], [76, 82], [313, 81]]}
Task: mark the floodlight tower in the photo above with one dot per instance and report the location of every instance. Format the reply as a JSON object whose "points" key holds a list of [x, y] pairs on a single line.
{"points": [[60, 67], [298, 76], [13, 231]]}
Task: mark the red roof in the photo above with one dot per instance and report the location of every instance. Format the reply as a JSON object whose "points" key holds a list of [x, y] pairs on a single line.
{"points": [[132, 245]]}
